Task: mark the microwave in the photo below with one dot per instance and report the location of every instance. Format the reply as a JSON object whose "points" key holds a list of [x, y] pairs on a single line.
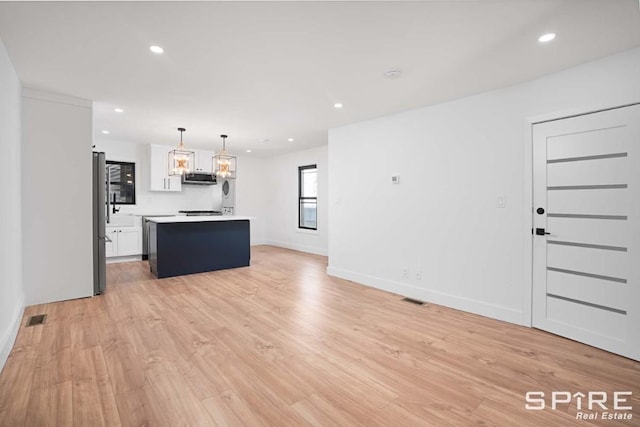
{"points": [[199, 178]]}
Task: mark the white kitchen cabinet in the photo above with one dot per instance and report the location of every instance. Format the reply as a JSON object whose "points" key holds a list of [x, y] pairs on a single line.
{"points": [[158, 165], [129, 241], [204, 161], [125, 241], [111, 243]]}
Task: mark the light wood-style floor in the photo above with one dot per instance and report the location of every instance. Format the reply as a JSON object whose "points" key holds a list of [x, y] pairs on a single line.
{"points": [[281, 343]]}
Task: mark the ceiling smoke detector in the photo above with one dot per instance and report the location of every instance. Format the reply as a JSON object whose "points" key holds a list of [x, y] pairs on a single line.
{"points": [[393, 73]]}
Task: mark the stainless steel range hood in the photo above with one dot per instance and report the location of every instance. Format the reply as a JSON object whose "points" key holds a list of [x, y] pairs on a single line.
{"points": [[199, 178]]}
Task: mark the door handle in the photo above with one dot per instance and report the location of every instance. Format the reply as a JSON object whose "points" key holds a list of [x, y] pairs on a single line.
{"points": [[541, 232]]}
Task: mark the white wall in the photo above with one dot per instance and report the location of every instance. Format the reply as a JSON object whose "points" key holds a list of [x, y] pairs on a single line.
{"points": [[266, 189], [253, 195], [56, 197], [282, 206], [250, 188], [454, 160], [11, 287], [192, 197]]}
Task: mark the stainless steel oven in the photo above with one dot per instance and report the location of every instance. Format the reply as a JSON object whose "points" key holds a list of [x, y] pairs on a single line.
{"points": [[145, 234]]}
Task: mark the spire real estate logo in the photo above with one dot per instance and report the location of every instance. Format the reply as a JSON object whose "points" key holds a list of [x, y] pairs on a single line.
{"points": [[590, 405]]}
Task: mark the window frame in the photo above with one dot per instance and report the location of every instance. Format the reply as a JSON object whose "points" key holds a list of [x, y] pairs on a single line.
{"points": [[301, 199], [133, 178]]}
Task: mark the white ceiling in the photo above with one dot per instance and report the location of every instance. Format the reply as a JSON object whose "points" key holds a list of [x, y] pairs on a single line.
{"points": [[273, 70]]}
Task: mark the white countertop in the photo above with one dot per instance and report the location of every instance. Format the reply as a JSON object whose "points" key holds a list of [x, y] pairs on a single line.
{"points": [[203, 218]]}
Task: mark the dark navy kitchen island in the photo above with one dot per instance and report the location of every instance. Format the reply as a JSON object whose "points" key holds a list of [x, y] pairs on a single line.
{"points": [[187, 245]]}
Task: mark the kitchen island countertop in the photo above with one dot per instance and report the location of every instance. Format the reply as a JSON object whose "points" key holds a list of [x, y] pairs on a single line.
{"points": [[200, 218]]}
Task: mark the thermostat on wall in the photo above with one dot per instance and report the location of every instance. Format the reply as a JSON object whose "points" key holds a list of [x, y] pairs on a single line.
{"points": [[395, 179]]}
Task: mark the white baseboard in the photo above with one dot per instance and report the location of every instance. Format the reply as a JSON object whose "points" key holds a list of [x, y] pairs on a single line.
{"points": [[465, 304], [9, 335], [117, 259], [301, 248]]}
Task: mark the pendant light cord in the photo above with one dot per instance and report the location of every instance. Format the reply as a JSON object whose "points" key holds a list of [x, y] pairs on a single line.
{"points": [[224, 145], [181, 147]]}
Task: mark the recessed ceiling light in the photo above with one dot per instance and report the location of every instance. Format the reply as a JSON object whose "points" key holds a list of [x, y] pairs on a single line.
{"points": [[290, 139], [106, 132], [156, 49], [337, 105], [248, 151], [118, 110], [546, 37]]}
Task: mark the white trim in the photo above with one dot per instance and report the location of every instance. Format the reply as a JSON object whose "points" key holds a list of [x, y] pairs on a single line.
{"points": [[9, 336], [301, 248], [307, 231], [579, 111], [448, 300], [129, 258], [527, 208], [56, 97]]}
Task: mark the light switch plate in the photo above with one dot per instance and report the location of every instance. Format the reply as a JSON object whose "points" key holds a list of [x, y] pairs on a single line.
{"points": [[395, 179], [501, 201]]}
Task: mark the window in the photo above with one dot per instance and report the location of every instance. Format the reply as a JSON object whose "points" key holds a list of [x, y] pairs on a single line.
{"points": [[122, 182], [308, 197]]}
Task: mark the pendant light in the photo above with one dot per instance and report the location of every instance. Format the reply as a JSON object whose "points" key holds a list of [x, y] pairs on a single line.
{"points": [[224, 165], [181, 161]]}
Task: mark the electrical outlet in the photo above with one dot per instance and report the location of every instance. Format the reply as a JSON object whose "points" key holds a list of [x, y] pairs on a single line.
{"points": [[405, 273], [418, 275]]}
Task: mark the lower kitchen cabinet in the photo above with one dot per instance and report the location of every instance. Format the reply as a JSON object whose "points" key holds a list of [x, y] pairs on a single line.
{"points": [[125, 241]]}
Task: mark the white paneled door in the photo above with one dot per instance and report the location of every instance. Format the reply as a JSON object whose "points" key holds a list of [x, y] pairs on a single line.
{"points": [[586, 250]]}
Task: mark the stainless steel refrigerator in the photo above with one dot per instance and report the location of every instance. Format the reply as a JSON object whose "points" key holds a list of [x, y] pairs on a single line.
{"points": [[100, 210]]}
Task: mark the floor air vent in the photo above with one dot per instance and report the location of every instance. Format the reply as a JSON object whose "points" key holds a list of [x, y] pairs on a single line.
{"points": [[37, 320], [413, 301]]}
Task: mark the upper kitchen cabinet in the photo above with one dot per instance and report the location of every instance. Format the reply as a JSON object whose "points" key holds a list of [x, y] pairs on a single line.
{"points": [[158, 164], [204, 161]]}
